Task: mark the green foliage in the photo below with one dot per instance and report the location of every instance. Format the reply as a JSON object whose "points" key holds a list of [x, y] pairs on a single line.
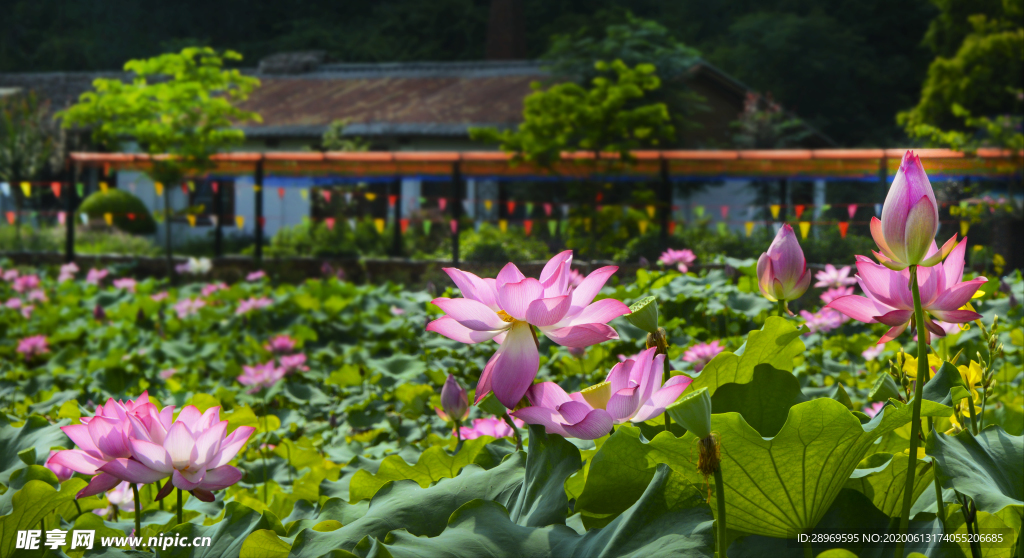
{"points": [[764, 125], [489, 244], [334, 138], [607, 117], [973, 94], [26, 138], [984, 467], [180, 104], [119, 203]]}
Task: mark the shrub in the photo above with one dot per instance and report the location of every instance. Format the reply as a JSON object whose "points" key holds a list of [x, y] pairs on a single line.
{"points": [[120, 203]]}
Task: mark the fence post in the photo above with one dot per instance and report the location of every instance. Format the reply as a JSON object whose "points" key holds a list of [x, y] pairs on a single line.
{"points": [[218, 211], [396, 238], [666, 201], [258, 192], [69, 210], [456, 204]]}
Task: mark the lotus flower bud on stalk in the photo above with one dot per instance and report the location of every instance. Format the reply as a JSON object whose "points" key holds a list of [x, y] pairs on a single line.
{"points": [[454, 400], [782, 270]]}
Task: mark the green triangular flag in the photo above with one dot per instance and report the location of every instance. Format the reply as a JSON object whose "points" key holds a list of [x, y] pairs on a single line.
{"points": [[723, 229], [423, 200], [563, 225], [80, 188], [698, 210], [552, 226], [826, 207], [529, 208], [426, 226]]}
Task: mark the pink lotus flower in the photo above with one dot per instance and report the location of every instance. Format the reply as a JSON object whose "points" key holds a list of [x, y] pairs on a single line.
{"points": [[165, 374], [836, 292], [189, 306], [454, 401], [874, 408], [910, 219], [396, 311], [26, 311], [683, 258], [489, 426], [701, 354], [63, 473], [834, 278], [36, 295], [872, 352], [294, 363], [32, 346], [255, 275], [11, 275], [104, 437], [280, 344], [67, 272], [889, 300], [575, 278], [162, 295], [633, 392], [822, 321], [13, 303], [507, 309], [194, 452], [782, 270], [251, 304], [25, 283], [120, 496], [211, 288], [95, 276], [261, 376], [126, 283]]}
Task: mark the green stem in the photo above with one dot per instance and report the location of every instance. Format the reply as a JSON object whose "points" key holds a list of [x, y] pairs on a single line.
{"points": [[915, 421], [974, 417], [940, 505], [515, 430], [668, 422], [782, 308], [138, 510], [458, 435], [160, 487], [808, 551], [181, 512], [720, 498], [79, 508]]}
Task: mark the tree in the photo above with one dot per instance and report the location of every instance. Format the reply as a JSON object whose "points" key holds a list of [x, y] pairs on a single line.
{"points": [[600, 119], [179, 104], [764, 125], [27, 145], [334, 138], [973, 97]]}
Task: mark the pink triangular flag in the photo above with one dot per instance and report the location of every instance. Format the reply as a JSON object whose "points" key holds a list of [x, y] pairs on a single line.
{"points": [[725, 212], [547, 209], [851, 210]]}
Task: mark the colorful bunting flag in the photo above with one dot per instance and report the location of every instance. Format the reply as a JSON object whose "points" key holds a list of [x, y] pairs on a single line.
{"points": [[326, 195], [698, 210], [191, 220], [370, 196], [600, 196], [379, 223], [775, 210], [351, 223], [851, 210], [262, 221], [348, 198], [329, 222], [404, 225], [156, 186], [799, 209], [442, 203], [184, 189], [528, 226], [488, 204], [280, 193], [427, 224], [552, 227], [805, 227], [725, 212], [650, 211], [62, 218], [239, 221], [453, 224], [671, 227], [529, 208], [131, 216], [26, 189], [109, 218], [392, 200], [11, 216], [304, 194], [843, 227], [214, 186], [5, 188], [511, 205], [257, 188], [55, 186], [642, 224], [749, 227], [191, 186], [85, 218], [547, 209], [878, 209], [214, 220], [964, 227], [503, 225], [565, 210]]}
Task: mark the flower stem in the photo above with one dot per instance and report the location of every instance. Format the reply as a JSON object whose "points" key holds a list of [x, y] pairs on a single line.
{"points": [[181, 512], [782, 308], [515, 430], [138, 510], [668, 422], [458, 436], [720, 498], [915, 421], [974, 418], [808, 551]]}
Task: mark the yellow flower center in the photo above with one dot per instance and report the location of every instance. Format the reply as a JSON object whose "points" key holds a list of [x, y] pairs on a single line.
{"points": [[505, 317]]}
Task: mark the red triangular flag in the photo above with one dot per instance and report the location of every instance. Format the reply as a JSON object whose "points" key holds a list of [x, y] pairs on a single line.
{"points": [[329, 221], [511, 206], [454, 226], [547, 209], [62, 217], [280, 193], [10, 217], [392, 200], [184, 188], [600, 196], [327, 195], [404, 224], [215, 187], [671, 227], [262, 221], [725, 212], [55, 186], [131, 216], [843, 226], [528, 226], [442, 203], [851, 209], [799, 209]]}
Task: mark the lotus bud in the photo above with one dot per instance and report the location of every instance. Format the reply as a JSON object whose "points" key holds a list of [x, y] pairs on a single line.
{"points": [[693, 412], [644, 314], [782, 270], [577, 352], [454, 400], [99, 314], [910, 220]]}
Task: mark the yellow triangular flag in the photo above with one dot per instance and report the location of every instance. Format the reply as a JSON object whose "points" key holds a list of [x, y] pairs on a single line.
{"points": [[488, 204], [805, 227], [643, 225], [650, 211], [239, 221], [304, 193], [191, 220], [191, 186], [749, 225], [503, 225], [370, 196], [964, 226], [159, 187], [26, 189], [104, 187], [379, 223], [109, 218], [257, 188], [775, 210]]}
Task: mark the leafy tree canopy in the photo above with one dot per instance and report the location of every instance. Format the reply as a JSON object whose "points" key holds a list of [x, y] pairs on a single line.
{"points": [[26, 138], [182, 104]]}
